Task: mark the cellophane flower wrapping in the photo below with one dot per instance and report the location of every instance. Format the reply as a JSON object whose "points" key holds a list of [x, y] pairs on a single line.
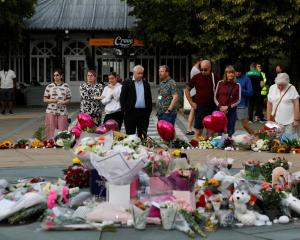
{"points": [[168, 211], [140, 217], [116, 169], [242, 141]]}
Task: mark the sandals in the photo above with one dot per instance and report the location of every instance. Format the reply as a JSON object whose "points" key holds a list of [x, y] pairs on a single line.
{"points": [[190, 133]]}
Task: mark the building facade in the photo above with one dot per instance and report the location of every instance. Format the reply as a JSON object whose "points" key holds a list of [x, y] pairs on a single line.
{"points": [[79, 34]]}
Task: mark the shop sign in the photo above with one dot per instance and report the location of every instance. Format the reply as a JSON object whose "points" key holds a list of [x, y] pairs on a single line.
{"points": [[123, 42]]}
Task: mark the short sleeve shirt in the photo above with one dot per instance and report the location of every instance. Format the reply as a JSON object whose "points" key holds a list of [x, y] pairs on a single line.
{"points": [[285, 110], [166, 91], [59, 92], [7, 79]]}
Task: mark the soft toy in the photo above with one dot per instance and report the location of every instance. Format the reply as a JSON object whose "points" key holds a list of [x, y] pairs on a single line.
{"points": [[240, 199], [291, 203], [280, 176]]}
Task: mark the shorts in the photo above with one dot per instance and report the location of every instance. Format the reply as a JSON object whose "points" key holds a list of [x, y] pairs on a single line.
{"points": [[7, 94], [242, 113], [201, 113]]}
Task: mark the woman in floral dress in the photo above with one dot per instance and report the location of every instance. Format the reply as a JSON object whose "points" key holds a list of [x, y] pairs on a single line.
{"points": [[90, 93], [57, 95]]}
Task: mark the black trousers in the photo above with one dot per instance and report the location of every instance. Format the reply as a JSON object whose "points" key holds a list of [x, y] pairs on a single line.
{"points": [[117, 116], [137, 120], [256, 102]]}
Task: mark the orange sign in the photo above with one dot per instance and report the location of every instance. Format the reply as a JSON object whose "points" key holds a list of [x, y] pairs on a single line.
{"points": [[109, 42], [101, 42]]}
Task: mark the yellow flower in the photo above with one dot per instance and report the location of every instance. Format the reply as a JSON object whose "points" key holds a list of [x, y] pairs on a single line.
{"points": [[213, 181], [176, 153], [6, 144], [76, 160], [36, 143]]}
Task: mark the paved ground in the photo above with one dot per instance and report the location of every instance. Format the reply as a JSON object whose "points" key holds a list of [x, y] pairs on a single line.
{"points": [[15, 164]]}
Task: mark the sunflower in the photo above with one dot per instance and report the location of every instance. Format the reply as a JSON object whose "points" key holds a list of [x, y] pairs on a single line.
{"points": [[6, 144], [281, 150]]}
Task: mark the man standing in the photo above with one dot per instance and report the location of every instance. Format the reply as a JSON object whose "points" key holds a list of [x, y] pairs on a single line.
{"points": [[255, 100], [8, 85], [136, 103], [167, 96], [205, 83], [246, 92], [195, 70]]}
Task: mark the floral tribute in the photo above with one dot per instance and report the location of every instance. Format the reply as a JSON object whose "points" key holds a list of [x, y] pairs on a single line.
{"points": [[77, 175], [6, 144]]}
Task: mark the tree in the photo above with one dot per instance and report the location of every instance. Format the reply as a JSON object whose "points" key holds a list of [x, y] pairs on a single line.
{"points": [[220, 29], [13, 13]]}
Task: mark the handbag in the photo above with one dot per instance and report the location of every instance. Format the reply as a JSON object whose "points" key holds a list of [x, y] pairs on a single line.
{"points": [[272, 117]]}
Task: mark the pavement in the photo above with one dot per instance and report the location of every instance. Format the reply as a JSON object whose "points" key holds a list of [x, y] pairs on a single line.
{"points": [[21, 163]]}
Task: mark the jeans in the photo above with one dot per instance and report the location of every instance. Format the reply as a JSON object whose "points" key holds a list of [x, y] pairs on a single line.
{"points": [[231, 118], [167, 117]]}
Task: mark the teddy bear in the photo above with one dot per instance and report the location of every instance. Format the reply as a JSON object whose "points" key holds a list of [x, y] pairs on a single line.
{"points": [[240, 197]]}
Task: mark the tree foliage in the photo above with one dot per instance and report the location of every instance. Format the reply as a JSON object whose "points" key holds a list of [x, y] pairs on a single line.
{"points": [[220, 28], [12, 16]]}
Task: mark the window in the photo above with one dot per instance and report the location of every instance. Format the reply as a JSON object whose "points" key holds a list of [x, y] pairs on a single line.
{"points": [[177, 64], [146, 58], [41, 62]]}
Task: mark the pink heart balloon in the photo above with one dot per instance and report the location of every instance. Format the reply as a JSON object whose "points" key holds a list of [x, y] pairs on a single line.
{"points": [[101, 129], [112, 125], [165, 130], [207, 122], [85, 121], [219, 120], [76, 131]]}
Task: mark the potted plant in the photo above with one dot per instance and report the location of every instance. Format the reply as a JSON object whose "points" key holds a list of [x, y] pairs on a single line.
{"points": [[272, 197]]}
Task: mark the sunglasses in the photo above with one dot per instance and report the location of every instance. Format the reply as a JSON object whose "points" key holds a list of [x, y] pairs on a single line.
{"points": [[203, 70]]}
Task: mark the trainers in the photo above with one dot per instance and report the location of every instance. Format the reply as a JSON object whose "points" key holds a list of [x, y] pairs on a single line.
{"points": [[11, 112], [3, 112], [262, 120], [190, 133]]}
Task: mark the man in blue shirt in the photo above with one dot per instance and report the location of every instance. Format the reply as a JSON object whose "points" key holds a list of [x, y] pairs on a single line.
{"points": [[246, 92], [136, 103]]}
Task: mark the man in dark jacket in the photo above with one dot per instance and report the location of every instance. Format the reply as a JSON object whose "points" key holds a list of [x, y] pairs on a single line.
{"points": [[136, 103]]}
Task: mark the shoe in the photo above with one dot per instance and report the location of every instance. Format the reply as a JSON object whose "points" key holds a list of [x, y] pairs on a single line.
{"points": [[3, 112], [11, 112], [256, 119], [262, 120], [190, 133], [250, 121]]}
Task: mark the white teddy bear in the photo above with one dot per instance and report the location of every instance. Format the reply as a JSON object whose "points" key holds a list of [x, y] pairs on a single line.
{"points": [[240, 199]]}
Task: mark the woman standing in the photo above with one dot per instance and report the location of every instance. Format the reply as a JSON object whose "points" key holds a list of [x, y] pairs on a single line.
{"points": [[57, 95], [227, 97], [90, 93], [111, 99], [283, 103]]}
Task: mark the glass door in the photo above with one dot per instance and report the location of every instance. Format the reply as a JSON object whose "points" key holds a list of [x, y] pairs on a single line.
{"points": [[76, 68]]}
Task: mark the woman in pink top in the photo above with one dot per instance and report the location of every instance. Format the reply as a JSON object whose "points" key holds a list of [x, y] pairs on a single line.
{"points": [[57, 95], [228, 96]]}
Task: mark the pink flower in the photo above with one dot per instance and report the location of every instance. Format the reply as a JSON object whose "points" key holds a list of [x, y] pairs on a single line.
{"points": [[65, 194], [51, 201], [279, 188], [50, 223]]}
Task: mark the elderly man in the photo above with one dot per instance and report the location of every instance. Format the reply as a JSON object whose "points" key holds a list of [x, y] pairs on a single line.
{"points": [[167, 96], [205, 83], [136, 103]]}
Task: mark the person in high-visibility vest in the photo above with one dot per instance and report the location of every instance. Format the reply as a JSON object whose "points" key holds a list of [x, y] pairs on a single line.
{"points": [[264, 90]]}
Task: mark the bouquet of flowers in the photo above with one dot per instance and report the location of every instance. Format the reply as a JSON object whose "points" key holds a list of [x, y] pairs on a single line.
{"points": [[22, 143], [184, 179], [77, 175], [272, 197], [242, 141], [252, 168], [212, 185], [64, 139], [140, 213], [60, 196], [267, 168], [158, 163], [6, 144], [168, 211]]}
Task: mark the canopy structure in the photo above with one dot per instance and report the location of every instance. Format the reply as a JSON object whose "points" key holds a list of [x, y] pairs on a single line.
{"points": [[81, 15]]}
